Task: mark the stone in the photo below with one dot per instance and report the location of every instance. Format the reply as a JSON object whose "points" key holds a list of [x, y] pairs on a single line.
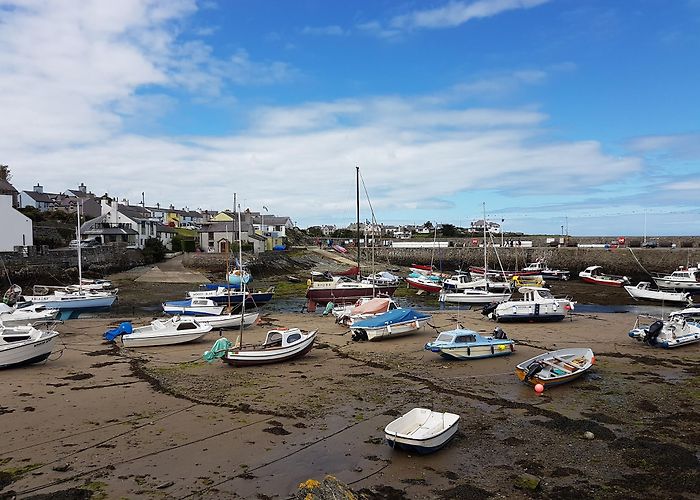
{"points": [[527, 482], [588, 435]]}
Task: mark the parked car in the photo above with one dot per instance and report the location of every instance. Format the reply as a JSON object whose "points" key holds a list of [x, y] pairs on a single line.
{"points": [[90, 242], [650, 244]]}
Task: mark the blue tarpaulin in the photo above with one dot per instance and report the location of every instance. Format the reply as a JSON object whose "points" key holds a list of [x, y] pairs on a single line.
{"points": [[123, 328], [391, 318]]}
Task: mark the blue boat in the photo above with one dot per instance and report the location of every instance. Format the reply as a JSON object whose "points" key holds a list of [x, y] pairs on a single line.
{"points": [[462, 343], [389, 324]]}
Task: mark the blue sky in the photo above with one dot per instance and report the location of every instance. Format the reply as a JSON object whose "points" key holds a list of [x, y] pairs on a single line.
{"points": [[550, 111]]}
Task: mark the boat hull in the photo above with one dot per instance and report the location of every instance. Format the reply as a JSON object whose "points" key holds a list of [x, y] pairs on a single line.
{"points": [[229, 320], [421, 431], [26, 353], [267, 356], [601, 281], [564, 374], [676, 284], [390, 330], [347, 295], [429, 287], [132, 340], [473, 298], [656, 295], [475, 352]]}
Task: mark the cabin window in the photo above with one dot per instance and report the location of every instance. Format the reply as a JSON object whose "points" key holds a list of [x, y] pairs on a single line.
{"points": [[187, 326], [463, 339], [444, 338], [273, 338], [293, 337]]}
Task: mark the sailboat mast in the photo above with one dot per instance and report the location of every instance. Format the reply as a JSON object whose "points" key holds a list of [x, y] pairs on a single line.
{"points": [[228, 266], [357, 198], [240, 266], [485, 259], [80, 256]]}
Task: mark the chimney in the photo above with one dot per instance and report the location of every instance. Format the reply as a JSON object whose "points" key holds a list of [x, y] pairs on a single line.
{"points": [[158, 205], [114, 213], [82, 188], [38, 188]]}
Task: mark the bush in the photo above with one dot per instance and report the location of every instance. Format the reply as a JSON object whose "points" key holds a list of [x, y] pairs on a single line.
{"points": [[686, 244], [153, 251]]}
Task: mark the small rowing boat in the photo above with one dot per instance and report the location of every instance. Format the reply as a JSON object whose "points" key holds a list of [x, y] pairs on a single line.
{"points": [[421, 430], [556, 367]]}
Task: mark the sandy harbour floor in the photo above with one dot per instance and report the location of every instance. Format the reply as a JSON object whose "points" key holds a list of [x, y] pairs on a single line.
{"points": [[162, 423]]}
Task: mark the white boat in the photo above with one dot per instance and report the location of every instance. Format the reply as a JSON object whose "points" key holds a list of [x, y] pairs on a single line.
{"points": [[389, 324], [691, 313], [474, 296], [364, 308], [644, 291], [463, 281], [461, 344], [175, 330], [680, 279], [22, 345], [30, 314], [676, 331], [548, 274], [194, 307], [537, 304], [382, 278], [595, 275], [280, 345], [421, 430], [555, 367], [229, 320]]}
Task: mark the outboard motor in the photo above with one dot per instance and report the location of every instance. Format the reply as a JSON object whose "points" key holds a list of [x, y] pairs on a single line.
{"points": [[653, 332], [532, 370], [498, 333], [488, 309]]}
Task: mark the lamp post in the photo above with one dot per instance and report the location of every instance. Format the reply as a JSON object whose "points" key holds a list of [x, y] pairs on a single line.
{"points": [[262, 227]]}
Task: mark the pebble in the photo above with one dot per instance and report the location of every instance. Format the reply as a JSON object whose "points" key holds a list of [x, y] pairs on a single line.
{"points": [[588, 435], [165, 485]]}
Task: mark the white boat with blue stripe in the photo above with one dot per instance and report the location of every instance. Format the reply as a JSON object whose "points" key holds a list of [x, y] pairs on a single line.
{"points": [[390, 324], [462, 343]]}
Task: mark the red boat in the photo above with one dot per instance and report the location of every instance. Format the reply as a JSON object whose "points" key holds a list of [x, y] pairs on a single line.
{"points": [[507, 274], [595, 275], [424, 284], [343, 291]]}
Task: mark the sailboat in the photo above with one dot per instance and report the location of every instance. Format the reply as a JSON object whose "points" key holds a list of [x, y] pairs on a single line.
{"points": [[280, 344], [342, 290], [477, 295], [71, 303]]}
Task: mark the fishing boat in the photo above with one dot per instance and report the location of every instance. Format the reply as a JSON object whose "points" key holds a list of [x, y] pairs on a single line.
{"points": [[342, 290], [644, 291], [424, 283], [26, 315], [462, 343], [22, 345], [537, 304], [225, 320], [389, 324], [689, 313], [681, 279], [193, 307], [555, 367], [676, 331], [364, 308], [280, 345], [175, 330], [595, 275], [421, 430], [541, 267]]}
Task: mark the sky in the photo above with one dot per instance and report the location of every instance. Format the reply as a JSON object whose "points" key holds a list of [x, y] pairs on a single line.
{"points": [[552, 114]]}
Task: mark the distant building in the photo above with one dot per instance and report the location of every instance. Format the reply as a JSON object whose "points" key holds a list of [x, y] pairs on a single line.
{"points": [[477, 226], [16, 229], [219, 236], [7, 189], [38, 199], [128, 224]]}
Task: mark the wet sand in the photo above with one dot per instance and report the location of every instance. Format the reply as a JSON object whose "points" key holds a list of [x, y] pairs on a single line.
{"points": [[162, 423]]}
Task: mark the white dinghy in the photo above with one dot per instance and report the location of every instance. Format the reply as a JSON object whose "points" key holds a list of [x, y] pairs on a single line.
{"points": [[22, 345], [421, 430], [644, 291], [28, 315]]}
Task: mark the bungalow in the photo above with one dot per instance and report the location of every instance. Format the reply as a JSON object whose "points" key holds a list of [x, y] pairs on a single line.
{"points": [[218, 236], [38, 199], [16, 227]]}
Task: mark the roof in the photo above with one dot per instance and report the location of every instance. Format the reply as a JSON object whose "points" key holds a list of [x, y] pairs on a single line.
{"points": [[6, 186], [44, 197], [162, 228], [111, 230], [222, 227]]}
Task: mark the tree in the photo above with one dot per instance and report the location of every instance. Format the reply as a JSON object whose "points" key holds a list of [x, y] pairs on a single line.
{"points": [[428, 225], [5, 174], [449, 231], [153, 251], [315, 231]]}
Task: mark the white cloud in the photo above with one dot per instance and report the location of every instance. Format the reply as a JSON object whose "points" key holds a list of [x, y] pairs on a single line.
{"points": [[680, 146], [457, 13]]}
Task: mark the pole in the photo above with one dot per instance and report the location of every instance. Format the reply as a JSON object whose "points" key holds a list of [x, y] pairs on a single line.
{"points": [[240, 266], [357, 196], [645, 225], [485, 258], [80, 256]]}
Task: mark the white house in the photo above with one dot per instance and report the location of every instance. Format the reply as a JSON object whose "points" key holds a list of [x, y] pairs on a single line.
{"points": [[218, 236], [132, 225], [16, 228], [37, 198], [477, 226]]}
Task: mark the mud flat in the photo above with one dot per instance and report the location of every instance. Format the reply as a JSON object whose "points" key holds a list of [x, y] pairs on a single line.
{"points": [[162, 423]]}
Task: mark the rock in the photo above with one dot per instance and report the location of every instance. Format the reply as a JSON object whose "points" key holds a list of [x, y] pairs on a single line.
{"points": [[329, 489], [527, 482], [167, 484], [588, 435], [61, 468]]}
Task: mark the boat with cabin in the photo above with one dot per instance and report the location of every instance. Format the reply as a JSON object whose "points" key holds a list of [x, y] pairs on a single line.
{"points": [[462, 343], [280, 345], [683, 278], [175, 330], [536, 304], [342, 290], [23, 345], [595, 275], [541, 267], [678, 330], [644, 291], [193, 307]]}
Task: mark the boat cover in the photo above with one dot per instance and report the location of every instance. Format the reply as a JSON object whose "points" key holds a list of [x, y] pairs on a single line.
{"points": [[218, 349], [390, 318], [123, 328], [179, 303], [375, 306]]}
